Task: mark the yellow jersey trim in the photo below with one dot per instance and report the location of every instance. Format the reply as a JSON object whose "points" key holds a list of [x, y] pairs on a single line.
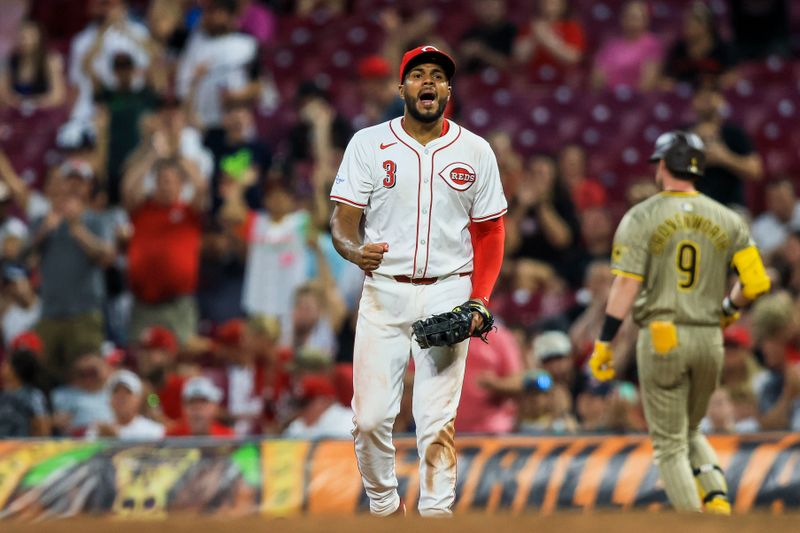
{"points": [[680, 193], [618, 272]]}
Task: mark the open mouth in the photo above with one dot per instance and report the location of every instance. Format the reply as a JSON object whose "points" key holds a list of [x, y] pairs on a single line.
{"points": [[427, 98]]}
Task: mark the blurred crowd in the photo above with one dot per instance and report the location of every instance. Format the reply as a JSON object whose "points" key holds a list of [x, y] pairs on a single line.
{"points": [[173, 273]]}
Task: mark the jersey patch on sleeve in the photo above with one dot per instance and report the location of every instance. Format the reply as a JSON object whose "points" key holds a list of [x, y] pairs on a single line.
{"points": [[617, 252]]}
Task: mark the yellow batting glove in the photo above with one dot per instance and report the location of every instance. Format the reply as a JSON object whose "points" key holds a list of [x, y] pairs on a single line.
{"points": [[727, 320], [602, 361], [730, 313]]}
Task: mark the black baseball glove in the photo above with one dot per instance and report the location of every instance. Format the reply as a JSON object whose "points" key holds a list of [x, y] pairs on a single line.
{"points": [[446, 329]]}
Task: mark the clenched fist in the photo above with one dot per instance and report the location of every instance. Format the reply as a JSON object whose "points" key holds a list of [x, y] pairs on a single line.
{"points": [[369, 255]]}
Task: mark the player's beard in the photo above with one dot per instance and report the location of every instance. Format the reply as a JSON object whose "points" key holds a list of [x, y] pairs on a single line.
{"points": [[411, 106]]}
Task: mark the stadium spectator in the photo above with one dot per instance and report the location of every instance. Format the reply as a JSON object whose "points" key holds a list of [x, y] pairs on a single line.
{"points": [[721, 416], [786, 263], [85, 401], [240, 151], [699, 53], [166, 239], [741, 373], [275, 244], [535, 293], [585, 191], [483, 408], [411, 24], [155, 354], [551, 44], [20, 306], [121, 34], [320, 413], [640, 190], [77, 141], [782, 217], [126, 394], [258, 20], [632, 59], [597, 233], [550, 412], [760, 29], [74, 245], [219, 67], [167, 22], [29, 341], [731, 158], [305, 8], [320, 133], [124, 104], [32, 77], [23, 407], [318, 313], [745, 410], [170, 134], [221, 276], [490, 42], [594, 408], [592, 298], [241, 377], [261, 336], [14, 193], [553, 352], [13, 231], [543, 225], [377, 89], [201, 400], [779, 393], [509, 161], [625, 413]]}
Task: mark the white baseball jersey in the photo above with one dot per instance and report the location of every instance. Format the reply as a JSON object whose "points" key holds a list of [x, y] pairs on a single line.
{"points": [[420, 199]]}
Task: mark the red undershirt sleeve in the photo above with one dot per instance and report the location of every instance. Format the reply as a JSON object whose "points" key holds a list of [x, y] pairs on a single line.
{"points": [[488, 241]]}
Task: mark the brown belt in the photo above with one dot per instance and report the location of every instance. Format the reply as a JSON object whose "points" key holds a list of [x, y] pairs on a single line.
{"points": [[420, 281]]}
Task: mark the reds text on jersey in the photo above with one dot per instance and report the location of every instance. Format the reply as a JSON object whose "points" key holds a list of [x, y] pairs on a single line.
{"points": [[420, 199]]}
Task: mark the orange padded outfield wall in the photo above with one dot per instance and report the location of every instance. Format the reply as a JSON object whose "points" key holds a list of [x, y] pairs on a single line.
{"points": [[516, 474]]}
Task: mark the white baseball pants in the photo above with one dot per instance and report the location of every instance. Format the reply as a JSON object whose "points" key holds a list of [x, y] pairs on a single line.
{"points": [[382, 347]]}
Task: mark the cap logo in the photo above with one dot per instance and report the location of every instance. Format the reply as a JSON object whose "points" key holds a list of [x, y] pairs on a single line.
{"points": [[458, 176], [429, 48]]}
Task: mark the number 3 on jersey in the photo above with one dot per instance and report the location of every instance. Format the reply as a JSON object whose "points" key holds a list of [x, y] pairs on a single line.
{"points": [[391, 170], [687, 261]]}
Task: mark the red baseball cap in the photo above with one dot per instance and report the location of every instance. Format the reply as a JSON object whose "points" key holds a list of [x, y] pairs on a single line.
{"points": [[316, 386], [737, 335], [374, 67], [158, 338], [230, 333], [28, 340], [427, 54]]}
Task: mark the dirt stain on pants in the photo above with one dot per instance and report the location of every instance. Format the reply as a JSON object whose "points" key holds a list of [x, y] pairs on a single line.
{"points": [[440, 454]]}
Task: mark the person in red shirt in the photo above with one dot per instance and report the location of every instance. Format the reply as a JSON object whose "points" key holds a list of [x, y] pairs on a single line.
{"points": [[551, 43], [201, 400], [156, 351], [164, 252]]}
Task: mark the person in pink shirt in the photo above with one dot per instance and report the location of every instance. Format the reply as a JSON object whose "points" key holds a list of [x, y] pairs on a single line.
{"points": [[257, 20], [632, 59], [480, 410]]}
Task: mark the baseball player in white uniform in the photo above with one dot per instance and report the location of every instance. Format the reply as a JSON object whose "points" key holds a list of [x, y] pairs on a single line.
{"points": [[428, 194]]}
